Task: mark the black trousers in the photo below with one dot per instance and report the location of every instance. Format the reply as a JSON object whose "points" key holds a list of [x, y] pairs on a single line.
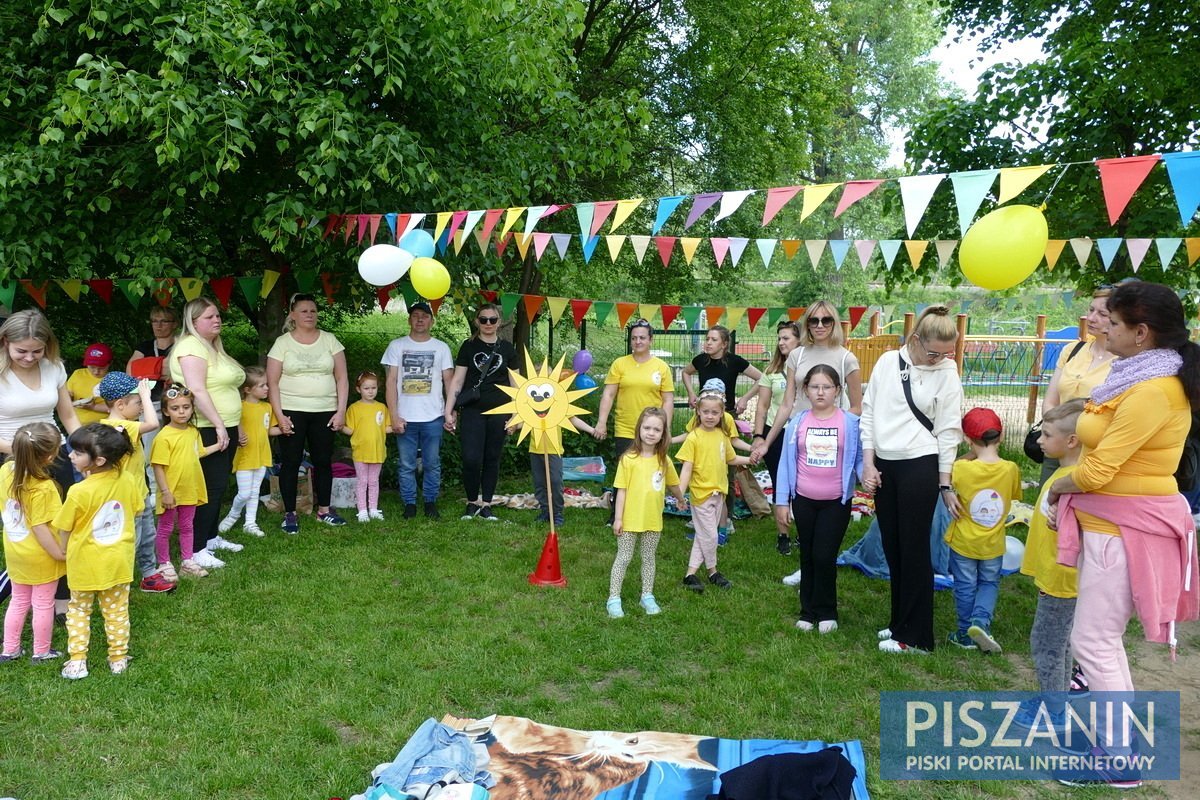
{"points": [[820, 529], [311, 431], [217, 469], [904, 504], [482, 439]]}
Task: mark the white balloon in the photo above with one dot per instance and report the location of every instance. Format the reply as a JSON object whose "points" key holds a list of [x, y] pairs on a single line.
{"points": [[1014, 552], [383, 264]]}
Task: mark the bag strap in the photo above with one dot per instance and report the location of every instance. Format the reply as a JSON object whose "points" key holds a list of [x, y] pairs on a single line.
{"points": [[487, 368], [904, 381], [1074, 351]]}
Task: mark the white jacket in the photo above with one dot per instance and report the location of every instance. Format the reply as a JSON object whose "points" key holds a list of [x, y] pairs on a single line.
{"points": [[888, 425]]}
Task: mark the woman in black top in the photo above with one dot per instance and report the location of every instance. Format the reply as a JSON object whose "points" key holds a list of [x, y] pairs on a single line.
{"points": [[482, 364], [717, 362]]}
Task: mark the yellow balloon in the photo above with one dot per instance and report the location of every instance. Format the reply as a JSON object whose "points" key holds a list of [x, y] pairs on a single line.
{"points": [[429, 278], [1004, 247]]}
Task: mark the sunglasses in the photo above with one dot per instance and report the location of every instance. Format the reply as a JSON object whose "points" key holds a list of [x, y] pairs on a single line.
{"points": [[933, 355], [824, 322], [177, 391], [640, 323], [487, 320], [301, 297]]}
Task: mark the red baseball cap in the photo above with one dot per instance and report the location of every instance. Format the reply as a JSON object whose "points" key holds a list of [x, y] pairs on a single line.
{"points": [[978, 421], [97, 355]]}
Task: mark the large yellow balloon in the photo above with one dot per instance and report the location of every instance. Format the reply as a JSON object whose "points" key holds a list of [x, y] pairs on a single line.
{"points": [[1004, 247], [429, 278]]}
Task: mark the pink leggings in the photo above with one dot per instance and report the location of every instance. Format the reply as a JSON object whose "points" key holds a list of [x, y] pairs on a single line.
{"points": [[1102, 613], [41, 597], [366, 486], [162, 539]]}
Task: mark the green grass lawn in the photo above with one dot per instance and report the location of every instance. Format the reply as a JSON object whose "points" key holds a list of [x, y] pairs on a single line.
{"points": [[310, 659]]}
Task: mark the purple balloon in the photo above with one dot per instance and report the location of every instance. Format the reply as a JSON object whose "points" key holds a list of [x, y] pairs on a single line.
{"points": [[582, 362]]}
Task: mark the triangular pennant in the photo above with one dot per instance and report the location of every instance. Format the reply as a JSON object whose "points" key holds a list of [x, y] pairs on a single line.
{"points": [[1193, 250], [37, 291], [816, 249], [688, 245], [306, 279], [578, 309], [456, 221], [720, 247], [888, 248], [1082, 248], [615, 242], [373, 225], [482, 241], [647, 311], [945, 249], [561, 242], [383, 294], [916, 251], [443, 219], [795, 313], [409, 293], [624, 209], [460, 241], [584, 213], [915, 193], [191, 288], [853, 192], [489, 295], [777, 198], [443, 242], [669, 313], [1183, 170], [1167, 247], [691, 316], [1120, 178], [864, 248], [737, 246], [603, 210], [1137, 251], [269, 278], [856, 313], [814, 196], [490, 218], [589, 247], [8, 293], [163, 292], [511, 215], [1068, 298], [436, 304], [640, 245], [333, 223], [390, 219], [766, 249], [839, 248], [753, 315], [532, 216], [329, 286], [603, 309], [1108, 248], [410, 223], [733, 316], [508, 304], [713, 314], [774, 315], [700, 204], [470, 221], [523, 243], [502, 242], [731, 202], [251, 286], [666, 206], [665, 245], [969, 190], [790, 247], [1014, 180], [1054, 248], [624, 312], [103, 287], [533, 304], [72, 286], [540, 240]]}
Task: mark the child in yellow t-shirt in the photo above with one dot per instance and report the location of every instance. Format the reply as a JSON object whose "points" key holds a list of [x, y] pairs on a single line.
{"points": [[97, 519], [32, 553], [253, 456], [644, 476], [82, 384], [706, 454], [367, 424], [984, 488]]}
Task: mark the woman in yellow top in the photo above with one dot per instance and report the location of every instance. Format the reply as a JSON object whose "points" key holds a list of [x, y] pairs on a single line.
{"points": [[634, 382], [306, 373]]}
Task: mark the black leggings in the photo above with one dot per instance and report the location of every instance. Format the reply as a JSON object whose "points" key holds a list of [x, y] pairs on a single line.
{"points": [[309, 428], [904, 505], [216, 468], [820, 529], [482, 439]]}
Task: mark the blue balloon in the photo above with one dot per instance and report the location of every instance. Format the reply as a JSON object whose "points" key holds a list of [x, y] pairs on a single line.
{"points": [[585, 382], [418, 242]]}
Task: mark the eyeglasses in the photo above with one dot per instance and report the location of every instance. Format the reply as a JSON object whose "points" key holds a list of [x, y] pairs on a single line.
{"points": [[162, 322], [487, 320], [933, 355], [824, 322], [176, 390], [300, 297]]}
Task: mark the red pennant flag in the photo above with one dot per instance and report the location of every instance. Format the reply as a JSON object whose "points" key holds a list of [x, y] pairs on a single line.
{"points": [[624, 312], [578, 309], [37, 291], [1120, 178], [332, 223], [349, 226], [669, 313], [373, 224], [436, 304], [489, 295], [776, 199], [383, 294], [223, 289], [533, 303], [162, 294], [103, 288], [852, 192], [713, 314], [502, 243], [665, 245], [856, 313], [795, 313], [489, 222], [328, 286], [753, 315], [401, 224]]}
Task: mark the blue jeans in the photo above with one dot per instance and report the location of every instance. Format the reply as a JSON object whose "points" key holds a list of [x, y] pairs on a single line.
{"points": [[976, 587], [426, 437], [430, 755]]}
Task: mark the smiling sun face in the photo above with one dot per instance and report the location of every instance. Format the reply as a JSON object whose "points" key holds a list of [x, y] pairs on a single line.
{"points": [[542, 403]]}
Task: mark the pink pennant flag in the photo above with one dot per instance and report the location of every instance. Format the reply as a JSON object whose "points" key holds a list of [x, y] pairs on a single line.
{"points": [[777, 198], [603, 210], [540, 240], [853, 192], [1137, 251], [700, 204], [373, 223], [720, 247], [665, 245], [864, 248], [1120, 178], [489, 222], [364, 226], [456, 221]]}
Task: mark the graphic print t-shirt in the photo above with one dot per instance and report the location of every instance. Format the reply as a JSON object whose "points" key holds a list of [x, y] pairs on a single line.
{"points": [[420, 395]]}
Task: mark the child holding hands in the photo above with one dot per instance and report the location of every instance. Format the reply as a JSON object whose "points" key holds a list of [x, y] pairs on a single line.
{"points": [[253, 457], [367, 424]]}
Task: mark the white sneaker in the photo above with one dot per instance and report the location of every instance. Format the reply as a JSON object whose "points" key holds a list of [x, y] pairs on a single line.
{"points": [[217, 543], [793, 579], [363, 516], [74, 670], [884, 634], [253, 530], [804, 625], [226, 525], [206, 559], [376, 514], [827, 625]]}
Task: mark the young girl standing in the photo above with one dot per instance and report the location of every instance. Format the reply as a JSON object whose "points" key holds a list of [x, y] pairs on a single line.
{"points": [[367, 425], [644, 475], [706, 453], [97, 519], [821, 462], [32, 552], [175, 457], [253, 457]]}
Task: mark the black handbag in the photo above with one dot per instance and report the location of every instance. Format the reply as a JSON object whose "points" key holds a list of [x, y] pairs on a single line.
{"points": [[469, 397], [1033, 451]]}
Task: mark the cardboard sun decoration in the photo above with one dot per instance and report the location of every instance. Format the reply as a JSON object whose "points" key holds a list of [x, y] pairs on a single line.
{"points": [[542, 403]]}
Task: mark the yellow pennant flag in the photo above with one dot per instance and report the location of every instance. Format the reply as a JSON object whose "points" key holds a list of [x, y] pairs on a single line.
{"points": [[916, 251], [191, 288], [443, 219], [622, 212], [510, 218], [689, 245], [615, 243], [556, 306], [460, 238], [647, 310], [72, 287], [523, 240], [270, 277], [1193, 249], [1014, 180], [814, 196], [733, 315], [1054, 248]]}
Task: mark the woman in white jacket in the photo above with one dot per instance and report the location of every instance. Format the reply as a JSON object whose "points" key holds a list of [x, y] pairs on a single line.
{"points": [[911, 428]]}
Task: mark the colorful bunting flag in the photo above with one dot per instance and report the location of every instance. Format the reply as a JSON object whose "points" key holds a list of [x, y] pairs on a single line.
{"points": [[1014, 180], [191, 288], [1167, 247], [251, 286], [856, 314], [532, 217], [104, 288], [578, 309], [647, 311], [72, 286], [589, 247], [533, 304], [945, 249], [508, 304], [665, 245], [1054, 248], [969, 190], [777, 198], [815, 248], [814, 196], [915, 193], [731, 202], [600, 214], [700, 204], [666, 205], [713, 314], [790, 247], [640, 245], [624, 312], [753, 315], [1193, 250], [603, 309], [839, 248], [774, 315], [688, 245], [490, 218], [916, 251], [615, 242], [561, 242], [223, 288], [1120, 178], [733, 316], [8, 293], [720, 247], [864, 248], [737, 246], [669, 313], [1082, 248], [691, 316], [1108, 248], [511, 215], [888, 248], [37, 291], [383, 294], [1183, 170], [540, 240], [269, 278], [766, 249], [1137, 249], [624, 209]]}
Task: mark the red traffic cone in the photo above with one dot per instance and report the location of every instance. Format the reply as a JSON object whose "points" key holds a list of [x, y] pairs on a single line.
{"points": [[548, 572]]}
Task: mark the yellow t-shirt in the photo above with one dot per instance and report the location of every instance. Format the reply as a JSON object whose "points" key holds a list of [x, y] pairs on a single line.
{"points": [[82, 384], [178, 450], [1077, 377], [645, 483], [99, 512], [134, 465], [370, 422], [257, 421], [1041, 549], [986, 490], [27, 562], [306, 381], [727, 424], [641, 386], [224, 379], [710, 453]]}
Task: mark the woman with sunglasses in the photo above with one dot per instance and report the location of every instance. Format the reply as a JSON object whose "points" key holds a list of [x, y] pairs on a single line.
{"points": [[308, 387], [634, 382], [481, 366], [911, 428]]}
